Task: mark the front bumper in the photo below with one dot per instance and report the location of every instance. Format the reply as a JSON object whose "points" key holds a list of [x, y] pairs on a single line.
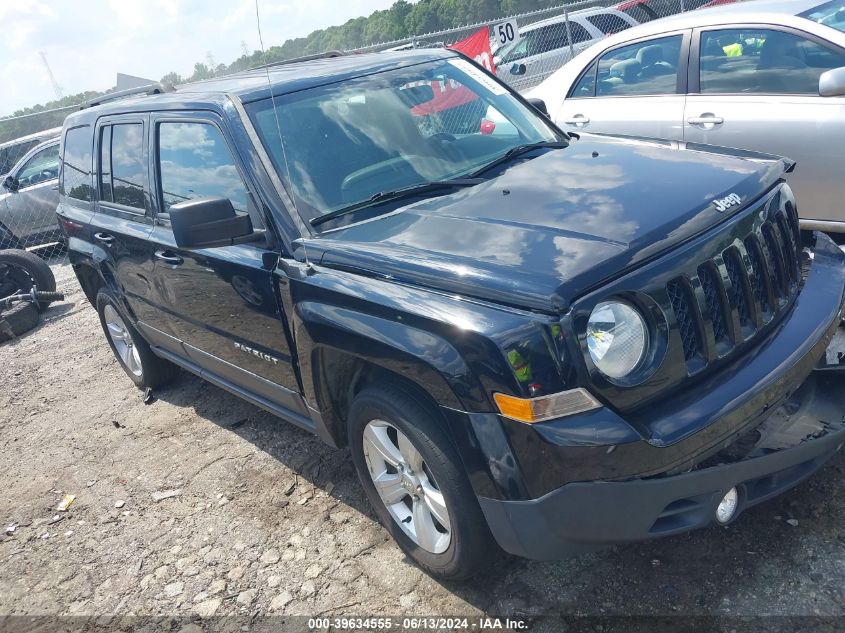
{"points": [[617, 483], [589, 515]]}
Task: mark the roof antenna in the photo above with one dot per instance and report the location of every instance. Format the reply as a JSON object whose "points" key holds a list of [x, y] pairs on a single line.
{"points": [[308, 266]]}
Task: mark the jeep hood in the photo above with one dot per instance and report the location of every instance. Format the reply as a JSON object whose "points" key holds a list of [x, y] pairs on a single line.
{"points": [[553, 227]]}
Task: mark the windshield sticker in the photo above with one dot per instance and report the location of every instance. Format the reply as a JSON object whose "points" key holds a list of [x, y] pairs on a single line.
{"points": [[479, 76]]}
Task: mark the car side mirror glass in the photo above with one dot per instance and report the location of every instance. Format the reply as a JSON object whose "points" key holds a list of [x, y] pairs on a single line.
{"points": [[11, 183], [539, 105], [209, 222], [518, 69], [832, 83]]}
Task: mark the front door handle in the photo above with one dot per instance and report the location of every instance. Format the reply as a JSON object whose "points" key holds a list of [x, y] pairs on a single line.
{"points": [[578, 120], [169, 258], [706, 120], [105, 238]]}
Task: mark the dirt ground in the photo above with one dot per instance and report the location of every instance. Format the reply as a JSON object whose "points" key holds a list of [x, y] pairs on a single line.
{"points": [[259, 517]]}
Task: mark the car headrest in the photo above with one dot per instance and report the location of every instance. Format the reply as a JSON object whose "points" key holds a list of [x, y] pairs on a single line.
{"points": [[649, 55], [627, 69]]}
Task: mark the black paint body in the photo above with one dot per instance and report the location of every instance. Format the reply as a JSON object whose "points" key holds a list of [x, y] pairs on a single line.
{"points": [[439, 291]]}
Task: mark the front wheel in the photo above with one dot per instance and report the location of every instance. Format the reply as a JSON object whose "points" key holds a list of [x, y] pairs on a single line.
{"points": [[415, 482], [143, 367]]}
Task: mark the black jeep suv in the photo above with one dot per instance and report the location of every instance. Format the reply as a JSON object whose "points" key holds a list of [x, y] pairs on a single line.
{"points": [[525, 338]]}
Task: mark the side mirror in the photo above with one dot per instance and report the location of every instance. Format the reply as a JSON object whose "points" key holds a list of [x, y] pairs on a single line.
{"points": [[518, 69], [832, 83], [209, 222], [539, 105], [11, 183]]}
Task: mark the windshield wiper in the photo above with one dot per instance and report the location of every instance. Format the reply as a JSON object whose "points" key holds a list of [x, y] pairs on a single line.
{"points": [[406, 192], [513, 152]]}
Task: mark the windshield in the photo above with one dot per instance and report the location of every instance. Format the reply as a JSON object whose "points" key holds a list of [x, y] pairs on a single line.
{"points": [[830, 13], [343, 143]]}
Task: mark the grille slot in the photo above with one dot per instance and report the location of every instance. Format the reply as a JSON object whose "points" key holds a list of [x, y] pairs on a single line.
{"points": [[683, 304], [759, 275], [711, 284], [774, 258], [739, 283]]}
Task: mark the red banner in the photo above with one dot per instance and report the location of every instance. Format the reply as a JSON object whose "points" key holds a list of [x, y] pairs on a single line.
{"points": [[477, 46]]}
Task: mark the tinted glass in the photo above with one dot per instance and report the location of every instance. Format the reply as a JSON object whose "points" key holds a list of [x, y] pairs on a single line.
{"points": [[644, 68], [763, 61], [11, 154], [831, 14], [41, 167], [586, 86], [127, 164], [105, 164], [76, 164], [608, 23], [194, 162], [344, 142]]}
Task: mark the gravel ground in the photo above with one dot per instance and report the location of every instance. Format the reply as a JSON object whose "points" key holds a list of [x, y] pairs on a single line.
{"points": [[198, 503]]}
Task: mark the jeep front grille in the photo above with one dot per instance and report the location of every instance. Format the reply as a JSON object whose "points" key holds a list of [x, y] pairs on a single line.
{"points": [[738, 291]]}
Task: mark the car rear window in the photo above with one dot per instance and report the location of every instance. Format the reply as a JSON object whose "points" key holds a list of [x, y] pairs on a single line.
{"points": [[608, 23], [122, 171], [75, 181]]}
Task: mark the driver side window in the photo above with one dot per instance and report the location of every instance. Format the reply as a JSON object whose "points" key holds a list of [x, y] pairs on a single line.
{"points": [[42, 167]]}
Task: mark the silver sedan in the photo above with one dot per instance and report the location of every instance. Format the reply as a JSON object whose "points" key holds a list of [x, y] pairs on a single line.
{"points": [[767, 75]]}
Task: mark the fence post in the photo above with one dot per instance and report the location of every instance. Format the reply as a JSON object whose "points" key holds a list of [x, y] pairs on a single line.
{"points": [[569, 33]]}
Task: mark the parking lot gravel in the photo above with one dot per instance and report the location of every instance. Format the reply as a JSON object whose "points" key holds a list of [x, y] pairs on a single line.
{"points": [[200, 504]]}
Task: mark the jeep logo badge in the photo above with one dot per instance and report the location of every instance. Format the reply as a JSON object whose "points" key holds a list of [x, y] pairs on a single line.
{"points": [[723, 204]]}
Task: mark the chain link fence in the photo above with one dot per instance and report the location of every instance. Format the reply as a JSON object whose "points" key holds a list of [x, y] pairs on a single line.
{"points": [[534, 46]]}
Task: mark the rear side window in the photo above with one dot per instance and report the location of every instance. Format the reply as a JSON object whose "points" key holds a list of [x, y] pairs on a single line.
{"points": [[122, 171], [194, 162], [644, 68], [608, 23], [75, 181]]}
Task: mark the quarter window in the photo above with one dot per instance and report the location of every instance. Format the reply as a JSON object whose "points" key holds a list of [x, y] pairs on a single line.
{"points": [[763, 61], [644, 68], [75, 179], [194, 162]]}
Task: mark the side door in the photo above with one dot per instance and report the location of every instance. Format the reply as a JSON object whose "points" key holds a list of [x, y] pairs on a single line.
{"points": [[757, 87], [222, 300], [31, 209], [123, 220], [635, 89]]}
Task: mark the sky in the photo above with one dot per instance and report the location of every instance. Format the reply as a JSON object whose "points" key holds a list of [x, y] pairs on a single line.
{"points": [[87, 42]]}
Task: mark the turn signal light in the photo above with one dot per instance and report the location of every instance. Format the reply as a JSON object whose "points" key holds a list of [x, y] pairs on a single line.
{"points": [[556, 405]]}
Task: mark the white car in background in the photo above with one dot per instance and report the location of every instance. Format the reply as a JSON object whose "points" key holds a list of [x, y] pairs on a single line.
{"points": [[766, 75], [544, 46]]}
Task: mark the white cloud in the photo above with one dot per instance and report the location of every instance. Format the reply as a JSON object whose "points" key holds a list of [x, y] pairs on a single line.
{"points": [[88, 43]]}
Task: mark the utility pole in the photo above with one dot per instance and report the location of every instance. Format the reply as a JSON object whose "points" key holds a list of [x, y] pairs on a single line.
{"points": [[56, 87]]}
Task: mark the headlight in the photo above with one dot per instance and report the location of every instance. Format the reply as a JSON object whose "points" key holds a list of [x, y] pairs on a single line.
{"points": [[617, 338]]}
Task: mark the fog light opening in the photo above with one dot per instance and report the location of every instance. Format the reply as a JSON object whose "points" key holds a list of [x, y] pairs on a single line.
{"points": [[726, 510]]}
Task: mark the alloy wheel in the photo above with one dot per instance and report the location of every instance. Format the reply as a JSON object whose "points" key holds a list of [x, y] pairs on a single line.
{"points": [[406, 486], [122, 340]]}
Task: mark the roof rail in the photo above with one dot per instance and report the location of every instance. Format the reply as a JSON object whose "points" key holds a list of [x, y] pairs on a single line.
{"points": [[150, 89], [306, 58]]}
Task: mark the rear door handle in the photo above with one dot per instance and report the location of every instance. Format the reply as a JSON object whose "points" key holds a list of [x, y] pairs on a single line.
{"points": [[105, 238], [705, 120], [578, 119], [169, 258]]}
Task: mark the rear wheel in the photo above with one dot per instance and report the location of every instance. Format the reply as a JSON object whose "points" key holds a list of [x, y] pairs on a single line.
{"points": [[414, 479], [21, 270], [143, 367]]}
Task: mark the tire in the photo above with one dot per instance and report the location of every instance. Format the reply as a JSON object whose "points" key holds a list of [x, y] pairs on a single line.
{"points": [[18, 319], [29, 269], [133, 353], [469, 546]]}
